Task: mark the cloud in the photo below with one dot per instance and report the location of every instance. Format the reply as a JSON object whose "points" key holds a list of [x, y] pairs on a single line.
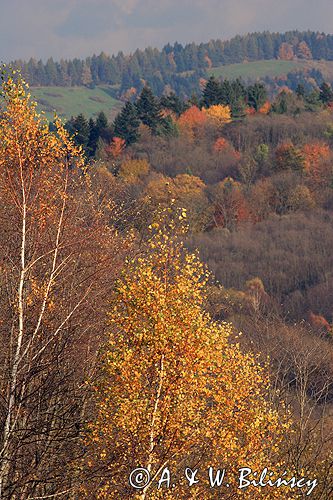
{"points": [[77, 28]]}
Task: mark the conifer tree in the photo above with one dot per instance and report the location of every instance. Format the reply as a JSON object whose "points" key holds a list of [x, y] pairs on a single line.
{"points": [[300, 91], [149, 110], [257, 95], [81, 130], [126, 124], [101, 121], [227, 92], [173, 102], [93, 137], [212, 93], [326, 93]]}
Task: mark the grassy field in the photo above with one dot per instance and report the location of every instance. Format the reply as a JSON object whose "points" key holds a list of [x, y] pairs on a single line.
{"points": [[257, 69], [70, 101]]}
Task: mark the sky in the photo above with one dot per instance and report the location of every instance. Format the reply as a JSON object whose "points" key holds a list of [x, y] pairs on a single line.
{"points": [[80, 28]]}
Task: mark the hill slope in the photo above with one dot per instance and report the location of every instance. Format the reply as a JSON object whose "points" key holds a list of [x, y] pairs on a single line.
{"points": [[70, 101], [256, 69], [271, 68]]}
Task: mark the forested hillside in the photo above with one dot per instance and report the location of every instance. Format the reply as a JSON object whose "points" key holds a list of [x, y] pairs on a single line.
{"points": [[166, 279], [177, 67], [110, 358], [255, 177]]}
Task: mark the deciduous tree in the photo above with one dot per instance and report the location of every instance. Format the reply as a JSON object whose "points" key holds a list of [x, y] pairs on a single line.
{"points": [[55, 256], [219, 114], [173, 391]]}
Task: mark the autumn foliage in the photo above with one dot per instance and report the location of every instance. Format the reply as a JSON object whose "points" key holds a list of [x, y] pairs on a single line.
{"points": [[192, 117], [116, 148], [219, 114], [102, 371], [316, 156], [133, 170], [288, 156], [230, 205], [173, 389], [57, 261], [265, 108], [184, 190]]}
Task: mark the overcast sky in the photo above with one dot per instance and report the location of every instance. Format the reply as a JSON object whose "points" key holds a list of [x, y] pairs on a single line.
{"points": [[78, 28]]}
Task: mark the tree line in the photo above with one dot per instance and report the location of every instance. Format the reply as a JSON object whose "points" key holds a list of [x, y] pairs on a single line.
{"points": [[177, 67], [160, 114]]}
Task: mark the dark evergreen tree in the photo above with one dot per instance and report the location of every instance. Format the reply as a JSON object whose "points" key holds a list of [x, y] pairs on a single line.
{"points": [[177, 66], [194, 100], [81, 130], [280, 105], [267, 45], [237, 98], [101, 122], [168, 127], [312, 101], [69, 125], [93, 138], [212, 93], [256, 95], [300, 91], [227, 93], [40, 74], [51, 72], [126, 124], [174, 103], [149, 110], [326, 93], [252, 48]]}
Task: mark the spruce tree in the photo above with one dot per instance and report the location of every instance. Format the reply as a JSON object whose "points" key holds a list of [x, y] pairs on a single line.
{"points": [[81, 129], [227, 93], [93, 137], [256, 95], [300, 91], [238, 96], [127, 123], [212, 93], [174, 103], [103, 129], [101, 121], [149, 110]]}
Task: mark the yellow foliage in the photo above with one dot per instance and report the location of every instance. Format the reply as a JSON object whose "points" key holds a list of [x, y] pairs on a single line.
{"points": [[219, 114], [173, 390], [183, 186], [186, 190], [133, 169], [57, 255]]}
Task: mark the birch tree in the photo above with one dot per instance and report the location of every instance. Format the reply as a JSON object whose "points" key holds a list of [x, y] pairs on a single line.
{"points": [[56, 263], [174, 391]]}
